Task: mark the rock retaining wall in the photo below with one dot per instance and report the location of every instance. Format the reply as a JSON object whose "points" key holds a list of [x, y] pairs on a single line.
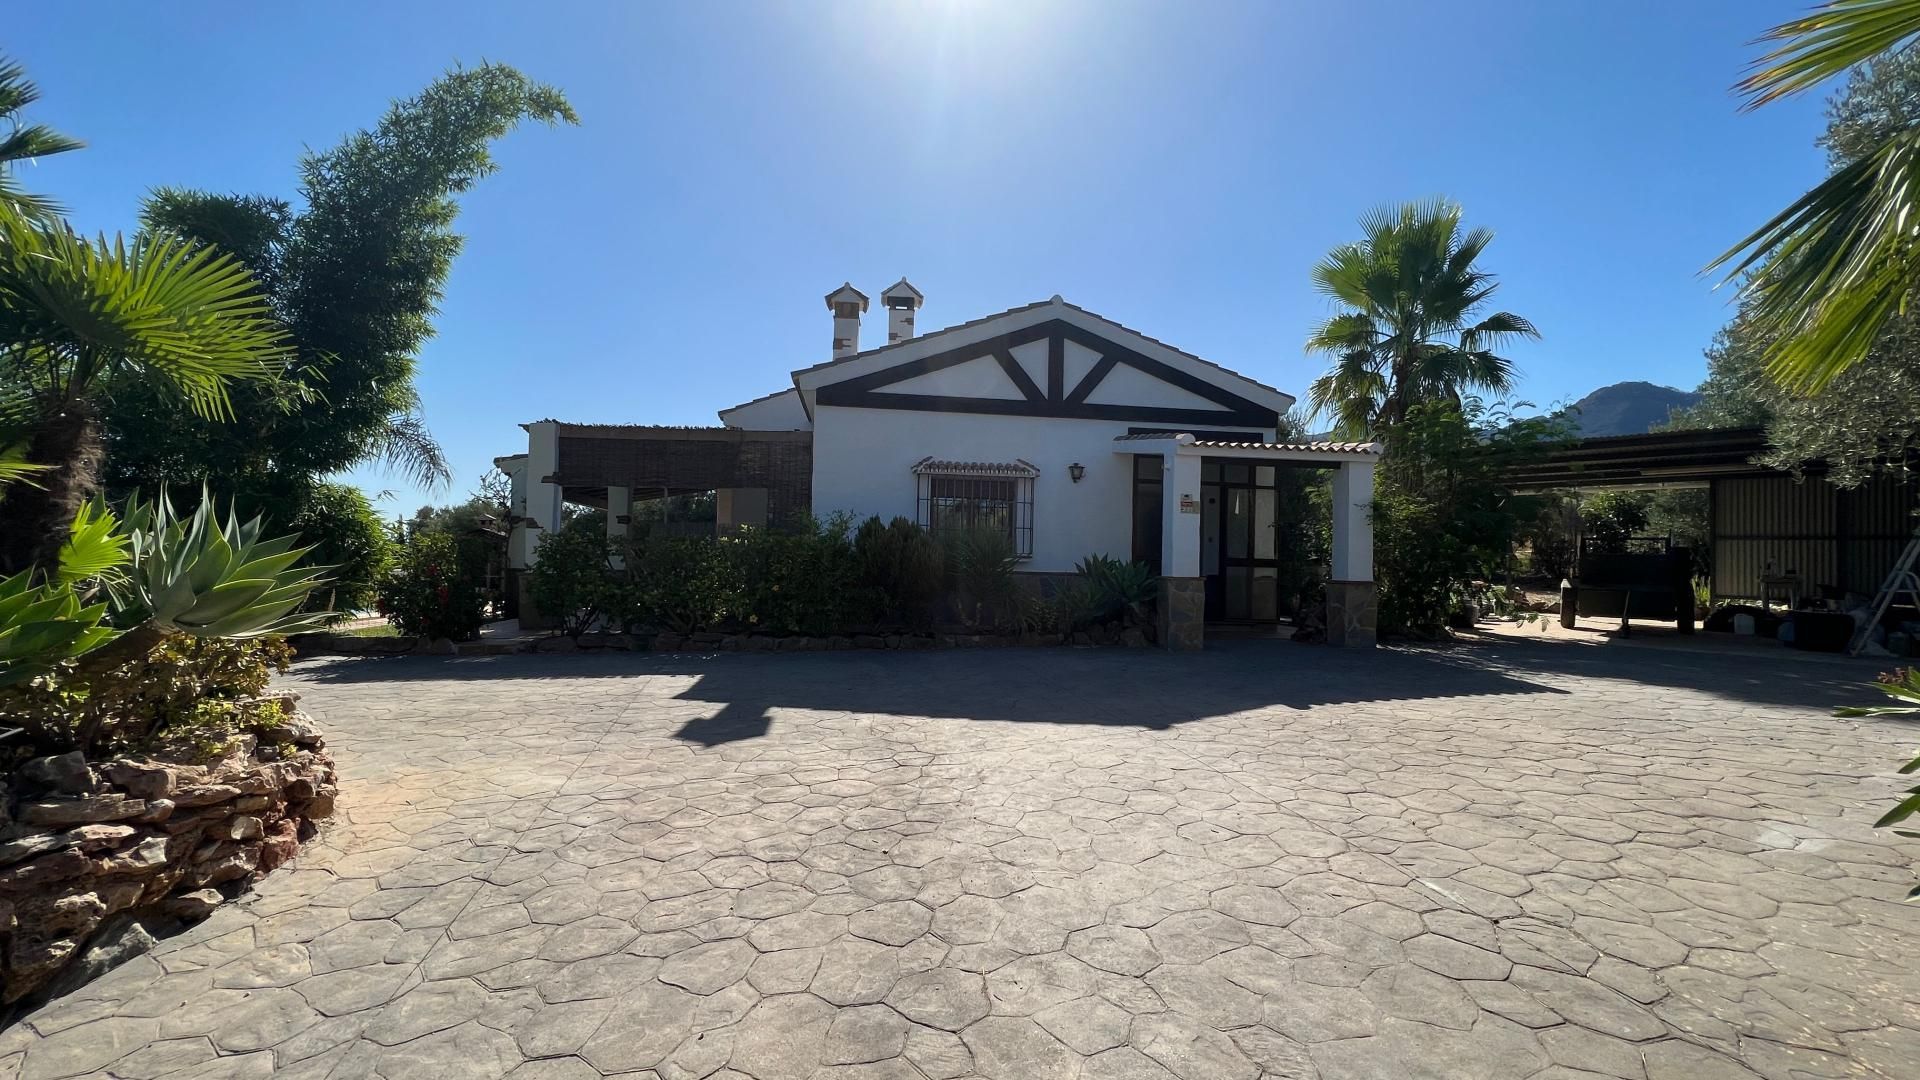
{"points": [[97, 859], [347, 644]]}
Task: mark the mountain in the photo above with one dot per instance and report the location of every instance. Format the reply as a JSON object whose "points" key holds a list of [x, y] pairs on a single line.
{"points": [[1629, 408]]}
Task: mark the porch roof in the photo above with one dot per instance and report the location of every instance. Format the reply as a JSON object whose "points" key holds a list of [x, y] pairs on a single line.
{"points": [[1186, 444]]}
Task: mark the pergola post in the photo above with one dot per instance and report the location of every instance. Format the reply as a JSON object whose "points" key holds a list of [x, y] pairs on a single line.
{"points": [[1352, 602], [619, 512], [545, 498], [1181, 612]]}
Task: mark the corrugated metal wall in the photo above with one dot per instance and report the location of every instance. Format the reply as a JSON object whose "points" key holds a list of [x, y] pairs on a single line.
{"points": [[1831, 538]]}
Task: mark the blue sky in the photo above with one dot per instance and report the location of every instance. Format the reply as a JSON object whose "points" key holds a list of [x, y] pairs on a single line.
{"points": [[1176, 166]]}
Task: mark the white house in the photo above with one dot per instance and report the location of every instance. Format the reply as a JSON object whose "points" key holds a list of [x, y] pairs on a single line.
{"points": [[1075, 434]]}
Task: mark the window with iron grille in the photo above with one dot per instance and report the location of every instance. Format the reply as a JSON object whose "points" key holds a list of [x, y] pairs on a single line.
{"points": [[959, 497]]}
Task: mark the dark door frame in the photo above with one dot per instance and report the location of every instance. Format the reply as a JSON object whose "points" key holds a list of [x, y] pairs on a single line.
{"points": [[1216, 583]]}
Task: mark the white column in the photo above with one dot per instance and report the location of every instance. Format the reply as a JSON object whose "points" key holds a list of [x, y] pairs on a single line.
{"points": [[619, 505], [544, 499], [516, 470], [1353, 521], [1179, 515]]}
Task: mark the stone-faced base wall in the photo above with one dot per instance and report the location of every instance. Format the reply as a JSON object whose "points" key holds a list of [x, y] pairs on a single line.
{"points": [[1352, 613], [98, 857], [1181, 614]]}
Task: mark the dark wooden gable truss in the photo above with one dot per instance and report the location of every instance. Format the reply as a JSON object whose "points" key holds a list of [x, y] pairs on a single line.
{"points": [[1056, 399]]}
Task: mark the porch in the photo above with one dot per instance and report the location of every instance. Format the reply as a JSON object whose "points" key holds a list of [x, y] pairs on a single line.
{"points": [[1205, 511]]}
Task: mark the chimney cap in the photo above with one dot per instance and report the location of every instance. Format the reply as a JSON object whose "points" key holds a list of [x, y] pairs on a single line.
{"points": [[902, 289], [847, 294]]}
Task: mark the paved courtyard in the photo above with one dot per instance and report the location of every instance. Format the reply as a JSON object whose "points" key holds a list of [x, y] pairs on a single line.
{"points": [[1265, 861]]}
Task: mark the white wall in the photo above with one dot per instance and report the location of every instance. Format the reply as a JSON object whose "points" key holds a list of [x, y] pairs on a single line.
{"points": [[779, 412], [863, 461]]}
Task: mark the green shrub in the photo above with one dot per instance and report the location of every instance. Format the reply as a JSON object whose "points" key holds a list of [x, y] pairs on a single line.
{"points": [[980, 566], [1075, 606], [1443, 515], [432, 592], [348, 535], [142, 701], [571, 581], [1118, 589], [799, 581], [678, 584], [902, 569], [1611, 518]]}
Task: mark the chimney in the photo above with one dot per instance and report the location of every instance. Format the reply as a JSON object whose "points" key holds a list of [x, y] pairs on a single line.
{"points": [[846, 303], [901, 300]]}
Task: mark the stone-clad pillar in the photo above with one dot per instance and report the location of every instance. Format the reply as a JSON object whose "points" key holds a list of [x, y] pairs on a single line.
{"points": [[1352, 613], [1180, 613], [1182, 607]]}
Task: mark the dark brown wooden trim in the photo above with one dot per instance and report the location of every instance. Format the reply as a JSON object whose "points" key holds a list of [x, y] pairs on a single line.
{"points": [[1066, 410], [1091, 380], [1019, 375], [858, 392]]}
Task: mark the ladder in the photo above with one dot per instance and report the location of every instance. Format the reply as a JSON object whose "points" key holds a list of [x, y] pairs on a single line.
{"points": [[1901, 579]]}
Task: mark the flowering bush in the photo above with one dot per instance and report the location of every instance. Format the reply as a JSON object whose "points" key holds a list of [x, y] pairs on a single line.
{"points": [[432, 592]]}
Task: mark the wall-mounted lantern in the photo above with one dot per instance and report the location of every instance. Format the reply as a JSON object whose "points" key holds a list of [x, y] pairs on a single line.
{"points": [[1076, 470]]}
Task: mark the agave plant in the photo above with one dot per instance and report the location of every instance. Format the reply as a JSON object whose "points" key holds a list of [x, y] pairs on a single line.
{"points": [[43, 624], [216, 578], [45, 621]]}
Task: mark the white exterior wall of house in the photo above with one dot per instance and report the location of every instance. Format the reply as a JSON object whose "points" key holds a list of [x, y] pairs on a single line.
{"points": [[863, 461], [775, 412]]}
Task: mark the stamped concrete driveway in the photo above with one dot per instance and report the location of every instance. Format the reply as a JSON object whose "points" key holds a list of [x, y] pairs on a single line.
{"points": [[1265, 861]]}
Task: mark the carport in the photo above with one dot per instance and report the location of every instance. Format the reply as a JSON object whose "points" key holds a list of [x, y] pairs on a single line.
{"points": [[1835, 541]]}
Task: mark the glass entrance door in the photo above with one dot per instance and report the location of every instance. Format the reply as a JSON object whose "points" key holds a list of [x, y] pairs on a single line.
{"points": [[1239, 551]]}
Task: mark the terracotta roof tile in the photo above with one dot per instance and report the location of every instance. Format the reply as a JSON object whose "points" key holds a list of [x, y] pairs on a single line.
{"points": [[1016, 467]]}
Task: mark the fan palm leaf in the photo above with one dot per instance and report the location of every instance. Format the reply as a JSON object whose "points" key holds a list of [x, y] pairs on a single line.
{"points": [[24, 142], [1827, 273]]}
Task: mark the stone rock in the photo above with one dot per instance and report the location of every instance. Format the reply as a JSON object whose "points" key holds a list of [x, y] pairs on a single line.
{"points": [[439, 647], [206, 795], [96, 837], [148, 780], [118, 940], [147, 855], [249, 804], [55, 867], [192, 904], [64, 773], [83, 811], [31, 957], [245, 827], [279, 844], [318, 808], [33, 844], [556, 645], [158, 810]]}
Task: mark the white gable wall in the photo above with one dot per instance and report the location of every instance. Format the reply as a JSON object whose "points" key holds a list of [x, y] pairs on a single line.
{"points": [[776, 412], [863, 461], [982, 378]]}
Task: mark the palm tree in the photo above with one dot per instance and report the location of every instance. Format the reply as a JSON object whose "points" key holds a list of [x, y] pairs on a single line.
{"points": [[1828, 272], [24, 142], [74, 312], [1412, 329]]}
